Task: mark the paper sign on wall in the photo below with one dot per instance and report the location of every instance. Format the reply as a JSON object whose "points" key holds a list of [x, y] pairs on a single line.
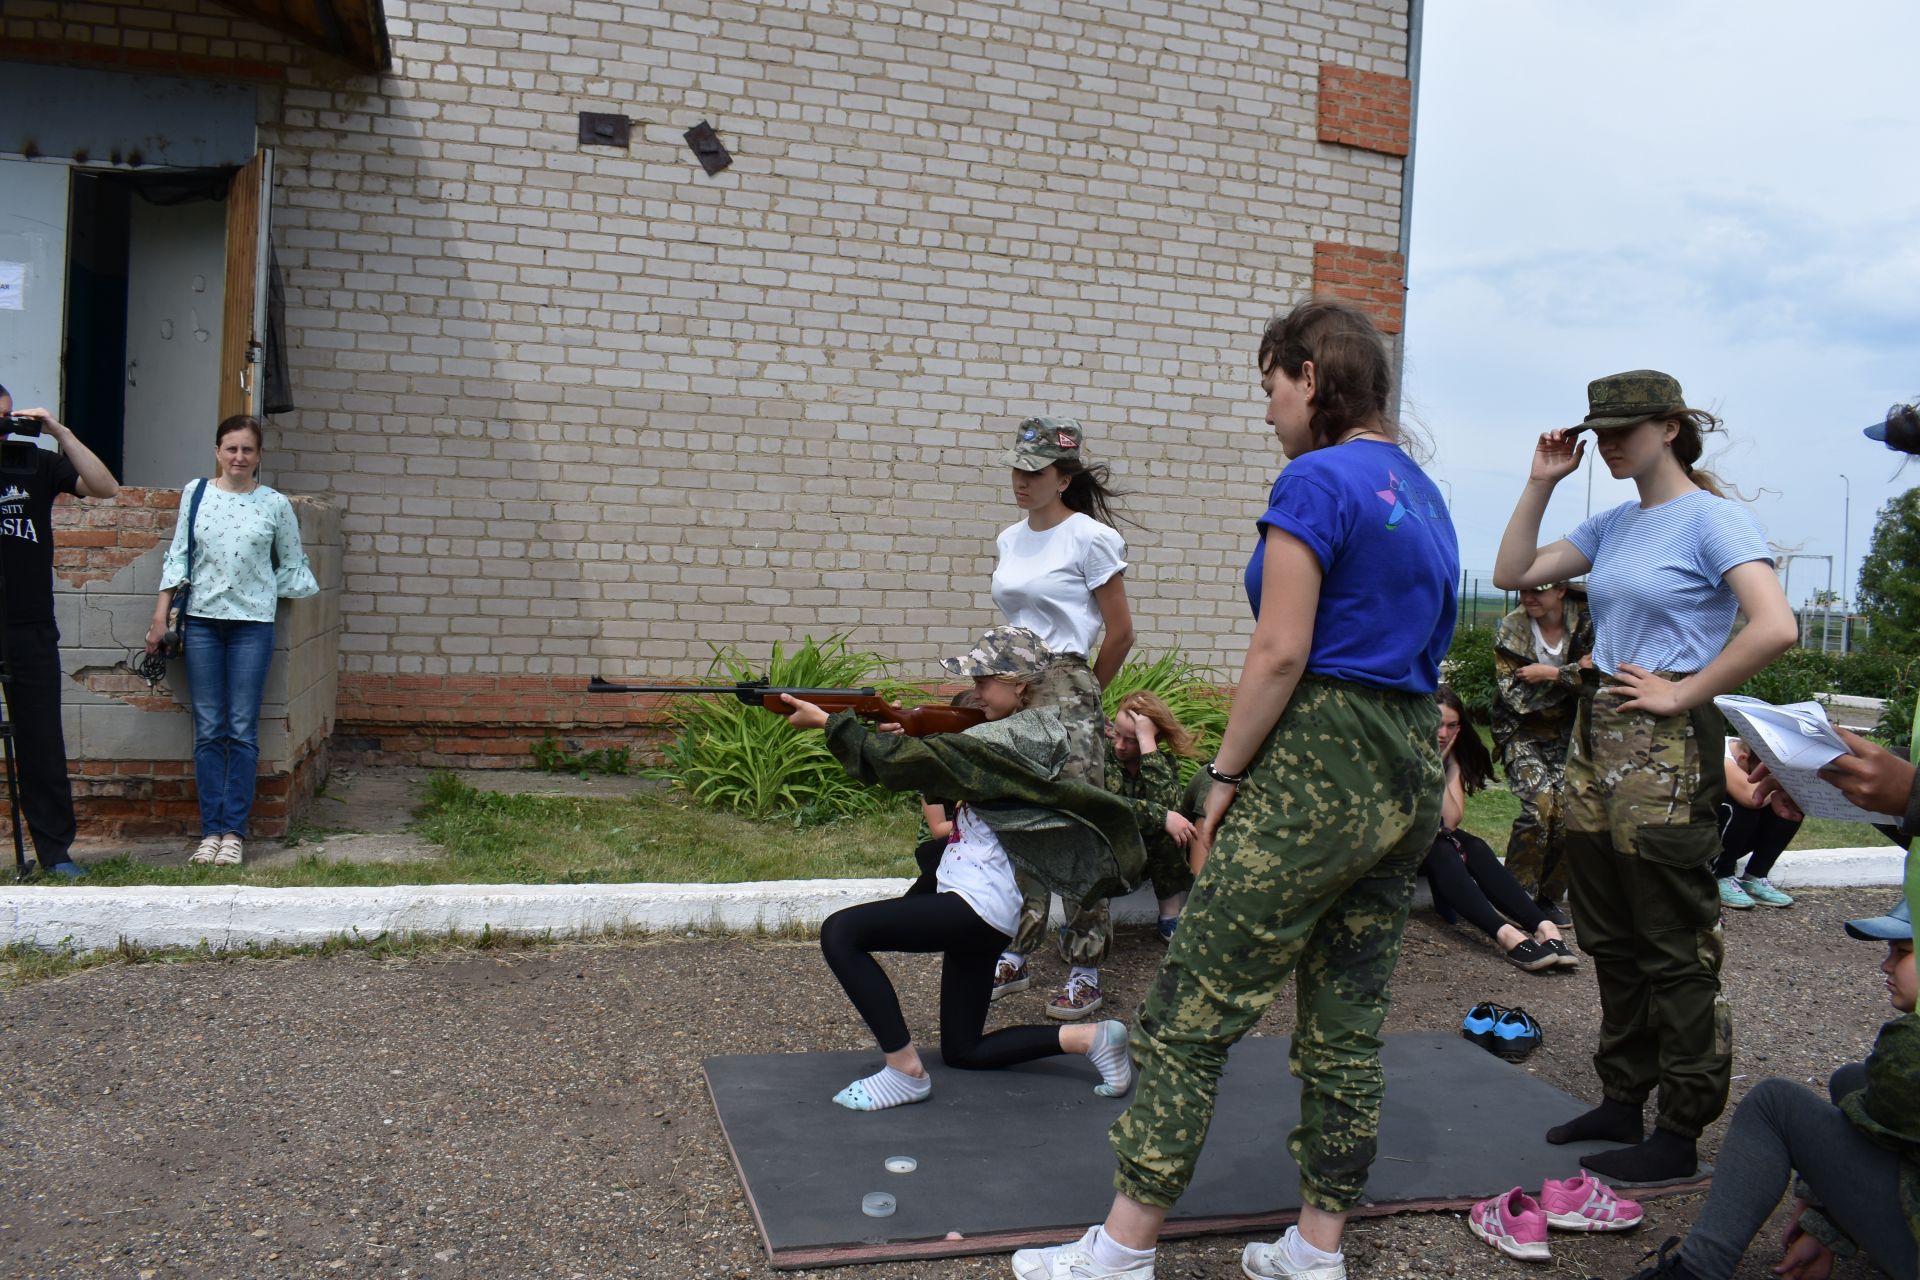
{"points": [[13, 286]]}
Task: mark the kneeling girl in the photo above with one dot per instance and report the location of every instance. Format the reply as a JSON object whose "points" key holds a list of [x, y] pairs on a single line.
{"points": [[1014, 810]]}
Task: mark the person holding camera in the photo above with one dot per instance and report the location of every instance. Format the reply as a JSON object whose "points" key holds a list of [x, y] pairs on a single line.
{"points": [[29, 478], [236, 552]]}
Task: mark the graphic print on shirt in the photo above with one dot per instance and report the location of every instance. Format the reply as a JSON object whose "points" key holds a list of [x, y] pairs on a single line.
{"points": [[15, 520], [1400, 496]]}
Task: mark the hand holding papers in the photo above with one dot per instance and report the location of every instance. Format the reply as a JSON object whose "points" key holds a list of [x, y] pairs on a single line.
{"points": [[1796, 741]]}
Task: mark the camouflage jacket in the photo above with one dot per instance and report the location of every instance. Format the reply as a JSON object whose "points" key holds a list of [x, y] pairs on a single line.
{"points": [[1888, 1109], [1536, 716], [1079, 841], [1150, 792]]}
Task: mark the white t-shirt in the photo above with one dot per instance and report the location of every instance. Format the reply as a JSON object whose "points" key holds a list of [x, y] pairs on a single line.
{"points": [[976, 867], [1044, 581]]}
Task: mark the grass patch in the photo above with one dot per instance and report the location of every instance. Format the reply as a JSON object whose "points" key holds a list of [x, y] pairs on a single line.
{"points": [[659, 836]]}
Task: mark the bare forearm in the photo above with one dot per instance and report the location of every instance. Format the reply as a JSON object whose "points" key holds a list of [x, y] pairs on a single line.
{"points": [[1266, 687], [1744, 656], [95, 480], [1112, 656], [1520, 544]]}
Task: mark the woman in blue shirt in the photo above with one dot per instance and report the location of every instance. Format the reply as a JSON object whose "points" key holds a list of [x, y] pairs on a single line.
{"points": [[1326, 795], [246, 556], [1665, 575]]}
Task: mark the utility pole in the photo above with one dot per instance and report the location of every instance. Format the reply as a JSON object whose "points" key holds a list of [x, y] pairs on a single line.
{"points": [[1846, 531]]}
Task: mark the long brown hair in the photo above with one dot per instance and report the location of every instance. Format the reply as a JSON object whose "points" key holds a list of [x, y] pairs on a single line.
{"points": [[1687, 446], [1476, 766], [1089, 492], [1179, 738], [1352, 368]]}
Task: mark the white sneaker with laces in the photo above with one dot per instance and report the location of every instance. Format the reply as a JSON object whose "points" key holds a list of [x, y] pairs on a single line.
{"points": [[1270, 1262], [1073, 1262]]}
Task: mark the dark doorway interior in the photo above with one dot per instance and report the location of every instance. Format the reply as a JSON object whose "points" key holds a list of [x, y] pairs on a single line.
{"points": [[95, 369]]}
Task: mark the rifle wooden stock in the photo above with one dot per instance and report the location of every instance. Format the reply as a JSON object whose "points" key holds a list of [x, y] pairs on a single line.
{"points": [[916, 722]]}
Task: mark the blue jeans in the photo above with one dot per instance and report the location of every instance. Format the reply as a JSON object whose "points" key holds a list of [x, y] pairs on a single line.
{"points": [[227, 665]]}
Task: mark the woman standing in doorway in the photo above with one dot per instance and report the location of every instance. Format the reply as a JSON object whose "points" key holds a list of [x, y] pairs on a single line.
{"points": [[1059, 574], [246, 556], [1665, 575]]}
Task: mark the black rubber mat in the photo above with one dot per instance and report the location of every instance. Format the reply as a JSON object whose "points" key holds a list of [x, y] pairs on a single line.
{"points": [[1010, 1158]]}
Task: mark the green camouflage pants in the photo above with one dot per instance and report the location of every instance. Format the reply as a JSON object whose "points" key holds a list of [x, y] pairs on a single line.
{"points": [[1068, 687], [1311, 871], [1642, 837], [1536, 848]]}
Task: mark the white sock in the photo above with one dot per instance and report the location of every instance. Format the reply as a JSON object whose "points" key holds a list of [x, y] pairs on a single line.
{"points": [[1089, 972], [1109, 1053], [1109, 1252], [885, 1088], [1303, 1255], [1013, 958]]}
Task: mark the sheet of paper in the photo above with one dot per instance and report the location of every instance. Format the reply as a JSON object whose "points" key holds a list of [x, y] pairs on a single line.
{"points": [[1797, 741], [13, 286]]}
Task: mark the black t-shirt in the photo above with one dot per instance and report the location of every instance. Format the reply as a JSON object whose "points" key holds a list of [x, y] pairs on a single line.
{"points": [[29, 478]]}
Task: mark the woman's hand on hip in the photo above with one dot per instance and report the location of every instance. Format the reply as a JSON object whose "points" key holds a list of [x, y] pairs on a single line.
{"points": [[1647, 692]]}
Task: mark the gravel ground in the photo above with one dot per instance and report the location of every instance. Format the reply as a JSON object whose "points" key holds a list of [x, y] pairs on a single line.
{"points": [[542, 1113]]}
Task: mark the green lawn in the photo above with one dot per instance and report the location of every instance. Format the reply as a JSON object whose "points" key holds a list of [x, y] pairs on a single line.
{"points": [[517, 839]]}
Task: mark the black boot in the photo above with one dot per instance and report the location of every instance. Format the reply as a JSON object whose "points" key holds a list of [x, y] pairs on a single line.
{"points": [[1609, 1122], [1667, 1266], [1664, 1157]]}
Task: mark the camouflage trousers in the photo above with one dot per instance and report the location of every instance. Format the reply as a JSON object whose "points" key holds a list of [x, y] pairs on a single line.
{"points": [[1642, 837], [1068, 687], [1312, 871], [1536, 848]]}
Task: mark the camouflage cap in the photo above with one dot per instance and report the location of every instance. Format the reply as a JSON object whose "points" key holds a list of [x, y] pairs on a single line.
{"points": [[1629, 399], [1041, 442], [1003, 651]]}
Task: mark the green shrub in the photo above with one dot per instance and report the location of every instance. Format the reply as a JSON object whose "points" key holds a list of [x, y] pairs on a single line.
{"points": [[1193, 693], [1469, 670], [1795, 676], [746, 760]]}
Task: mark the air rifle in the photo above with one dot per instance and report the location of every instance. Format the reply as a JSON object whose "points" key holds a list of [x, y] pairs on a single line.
{"points": [[916, 722]]}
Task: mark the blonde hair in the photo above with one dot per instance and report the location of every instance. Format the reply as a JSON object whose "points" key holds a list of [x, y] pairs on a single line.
{"points": [[1178, 737], [1024, 684]]}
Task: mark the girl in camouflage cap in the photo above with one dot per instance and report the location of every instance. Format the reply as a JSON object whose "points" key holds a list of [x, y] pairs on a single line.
{"points": [[1016, 808], [1060, 573], [1665, 574]]}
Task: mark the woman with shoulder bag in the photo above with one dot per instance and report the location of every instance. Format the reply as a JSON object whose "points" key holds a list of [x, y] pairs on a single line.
{"points": [[236, 552]]}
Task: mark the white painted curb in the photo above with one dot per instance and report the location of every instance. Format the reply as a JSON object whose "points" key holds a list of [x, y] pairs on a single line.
{"points": [[226, 918]]}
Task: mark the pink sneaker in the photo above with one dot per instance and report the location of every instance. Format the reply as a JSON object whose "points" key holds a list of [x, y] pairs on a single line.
{"points": [[1513, 1224], [1586, 1204]]}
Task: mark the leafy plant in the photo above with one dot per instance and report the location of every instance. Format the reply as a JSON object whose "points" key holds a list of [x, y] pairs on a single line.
{"points": [[1469, 669], [550, 755], [736, 757], [1192, 692]]}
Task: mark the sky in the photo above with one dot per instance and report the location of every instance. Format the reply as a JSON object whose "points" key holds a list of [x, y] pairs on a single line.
{"points": [[1728, 192]]}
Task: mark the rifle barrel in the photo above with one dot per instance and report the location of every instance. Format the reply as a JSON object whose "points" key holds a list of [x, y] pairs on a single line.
{"points": [[750, 692]]}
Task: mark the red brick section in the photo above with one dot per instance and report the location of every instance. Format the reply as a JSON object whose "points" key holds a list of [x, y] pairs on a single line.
{"points": [[133, 799], [1365, 109], [1375, 279], [486, 722], [93, 540]]}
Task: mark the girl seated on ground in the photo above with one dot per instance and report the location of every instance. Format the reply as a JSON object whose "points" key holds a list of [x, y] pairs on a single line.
{"points": [[1467, 878], [1751, 831], [1857, 1154], [1013, 808], [1144, 775]]}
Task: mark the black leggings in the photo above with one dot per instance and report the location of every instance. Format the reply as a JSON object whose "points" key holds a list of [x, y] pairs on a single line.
{"points": [[928, 922], [1467, 877], [1761, 832]]}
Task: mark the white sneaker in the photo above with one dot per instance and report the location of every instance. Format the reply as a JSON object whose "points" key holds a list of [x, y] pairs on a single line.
{"points": [[206, 851], [1270, 1262], [1073, 1262]]}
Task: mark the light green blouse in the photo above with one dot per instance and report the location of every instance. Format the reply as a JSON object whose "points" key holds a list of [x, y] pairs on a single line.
{"points": [[238, 538]]}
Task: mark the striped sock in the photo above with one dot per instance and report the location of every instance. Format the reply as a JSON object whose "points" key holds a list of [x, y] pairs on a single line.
{"points": [[1109, 1053], [884, 1088]]}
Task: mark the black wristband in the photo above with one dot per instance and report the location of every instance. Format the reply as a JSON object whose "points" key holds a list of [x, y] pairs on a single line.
{"points": [[1231, 779]]}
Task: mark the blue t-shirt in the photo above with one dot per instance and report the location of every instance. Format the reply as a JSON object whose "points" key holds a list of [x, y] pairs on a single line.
{"points": [[1657, 587], [1389, 563]]}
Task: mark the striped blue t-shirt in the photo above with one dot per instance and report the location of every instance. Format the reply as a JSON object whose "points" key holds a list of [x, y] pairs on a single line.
{"points": [[1658, 584]]}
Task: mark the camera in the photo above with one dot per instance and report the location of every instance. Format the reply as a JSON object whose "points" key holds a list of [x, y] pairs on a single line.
{"points": [[23, 424]]}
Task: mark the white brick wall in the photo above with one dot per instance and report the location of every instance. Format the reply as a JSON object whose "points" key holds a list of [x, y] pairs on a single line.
{"points": [[590, 409]]}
